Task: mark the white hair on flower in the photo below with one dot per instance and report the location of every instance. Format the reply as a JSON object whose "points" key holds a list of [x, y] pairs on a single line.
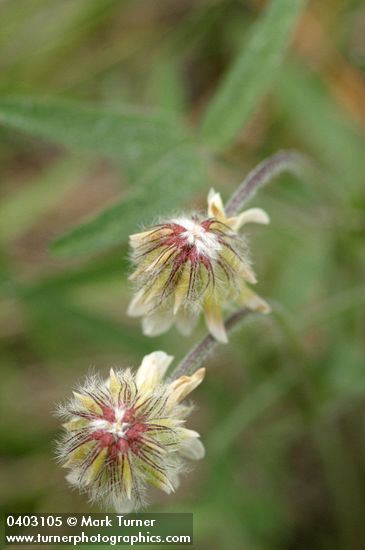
{"points": [[127, 432], [191, 263]]}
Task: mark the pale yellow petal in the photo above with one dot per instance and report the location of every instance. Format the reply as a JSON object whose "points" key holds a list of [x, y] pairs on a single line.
{"points": [[160, 260], [137, 273], [94, 470], [185, 433], [182, 386], [138, 305], [253, 301], [137, 239], [114, 384], [253, 215], [164, 484], [186, 320], [215, 205], [152, 370], [192, 448], [215, 322], [87, 402], [159, 480], [78, 454], [240, 265], [127, 476], [157, 323], [182, 288], [76, 424], [247, 273]]}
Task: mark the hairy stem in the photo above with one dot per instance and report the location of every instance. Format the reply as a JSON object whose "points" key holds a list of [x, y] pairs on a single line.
{"points": [[195, 357], [283, 161]]}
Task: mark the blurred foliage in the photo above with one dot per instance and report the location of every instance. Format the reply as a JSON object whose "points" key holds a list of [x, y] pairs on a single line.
{"points": [[114, 112]]}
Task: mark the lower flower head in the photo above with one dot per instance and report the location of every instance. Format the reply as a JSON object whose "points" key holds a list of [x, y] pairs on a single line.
{"points": [[188, 264], [127, 432]]}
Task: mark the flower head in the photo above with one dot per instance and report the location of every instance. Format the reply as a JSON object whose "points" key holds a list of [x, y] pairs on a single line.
{"points": [[188, 264], [127, 432]]}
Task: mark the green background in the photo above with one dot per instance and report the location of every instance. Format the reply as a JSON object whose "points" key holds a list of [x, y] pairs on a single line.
{"points": [[113, 112]]}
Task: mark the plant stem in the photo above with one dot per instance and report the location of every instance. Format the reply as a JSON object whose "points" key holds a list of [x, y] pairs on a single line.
{"points": [[195, 357], [283, 161]]}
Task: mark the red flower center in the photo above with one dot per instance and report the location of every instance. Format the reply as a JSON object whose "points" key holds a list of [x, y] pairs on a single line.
{"points": [[118, 430]]}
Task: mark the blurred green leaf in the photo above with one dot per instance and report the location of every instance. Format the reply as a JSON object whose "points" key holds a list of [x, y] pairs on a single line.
{"points": [[251, 74], [266, 395], [314, 114], [137, 137], [74, 21], [52, 321], [305, 277], [66, 21], [163, 188], [92, 272], [331, 310], [20, 210], [167, 84]]}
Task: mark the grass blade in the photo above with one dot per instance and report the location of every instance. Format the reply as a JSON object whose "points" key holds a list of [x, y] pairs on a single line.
{"points": [[251, 74]]}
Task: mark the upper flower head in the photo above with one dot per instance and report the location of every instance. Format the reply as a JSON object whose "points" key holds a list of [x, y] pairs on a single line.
{"points": [[187, 264], [126, 432]]}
